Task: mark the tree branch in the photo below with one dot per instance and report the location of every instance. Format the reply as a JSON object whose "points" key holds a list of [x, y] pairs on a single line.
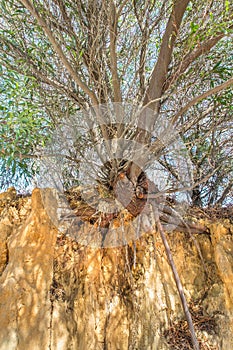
{"points": [[225, 193], [38, 74], [159, 74], [202, 49], [177, 280], [113, 54], [57, 48], [197, 99]]}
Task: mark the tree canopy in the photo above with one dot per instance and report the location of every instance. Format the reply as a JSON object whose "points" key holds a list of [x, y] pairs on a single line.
{"points": [[174, 57]]}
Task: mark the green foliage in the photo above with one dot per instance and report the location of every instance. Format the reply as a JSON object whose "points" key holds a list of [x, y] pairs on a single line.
{"points": [[38, 91], [23, 125]]}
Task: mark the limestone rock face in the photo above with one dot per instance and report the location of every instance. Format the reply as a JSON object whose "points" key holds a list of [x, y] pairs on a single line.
{"points": [[57, 294]]}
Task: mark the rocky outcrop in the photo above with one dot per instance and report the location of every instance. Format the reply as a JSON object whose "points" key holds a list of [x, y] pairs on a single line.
{"points": [[56, 293], [27, 277]]}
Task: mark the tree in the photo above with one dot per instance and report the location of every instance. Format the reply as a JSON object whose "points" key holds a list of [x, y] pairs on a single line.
{"points": [[165, 56], [149, 53]]}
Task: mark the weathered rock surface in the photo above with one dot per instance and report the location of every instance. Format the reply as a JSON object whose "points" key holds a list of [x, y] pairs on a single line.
{"points": [[57, 294]]}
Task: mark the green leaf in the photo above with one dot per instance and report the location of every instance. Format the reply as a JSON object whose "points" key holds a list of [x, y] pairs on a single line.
{"points": [[194, 27]]}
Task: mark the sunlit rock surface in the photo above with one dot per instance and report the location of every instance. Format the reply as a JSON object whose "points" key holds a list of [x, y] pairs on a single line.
{"points": [[57, 294]]}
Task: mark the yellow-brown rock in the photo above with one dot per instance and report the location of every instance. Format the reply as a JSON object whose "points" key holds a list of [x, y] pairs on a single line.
{"points": [[57, 294], [26, 280]]}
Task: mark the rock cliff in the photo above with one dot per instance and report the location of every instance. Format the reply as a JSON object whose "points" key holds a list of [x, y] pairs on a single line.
{"points": [[57, 294]]}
